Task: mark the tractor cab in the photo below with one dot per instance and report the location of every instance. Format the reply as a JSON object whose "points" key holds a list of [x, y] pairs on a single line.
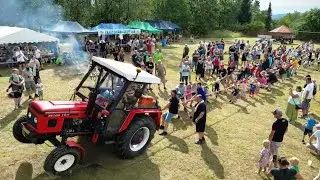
{"points": [[108, 105]]}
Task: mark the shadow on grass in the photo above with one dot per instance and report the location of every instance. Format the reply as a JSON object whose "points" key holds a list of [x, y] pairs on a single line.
{"points": [[298, 125], [212, 161], [24, 171], [101, 163], [212, 135], [163, 94], [178, 144], [13, 115]]}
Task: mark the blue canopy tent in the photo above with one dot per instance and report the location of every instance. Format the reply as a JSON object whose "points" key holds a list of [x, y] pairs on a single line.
{"points": [[68, 27], [173, 25], [114, 29]]}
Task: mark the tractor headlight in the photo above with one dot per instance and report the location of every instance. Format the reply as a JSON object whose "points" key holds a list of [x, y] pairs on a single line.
{"points": [[29, 115], [35, 120]]}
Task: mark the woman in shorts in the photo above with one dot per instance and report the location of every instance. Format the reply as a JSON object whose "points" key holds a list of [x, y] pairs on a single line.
{"points": [[16, 83]]}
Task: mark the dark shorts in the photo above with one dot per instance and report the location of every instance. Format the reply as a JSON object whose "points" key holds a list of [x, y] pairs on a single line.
{"points": [[200, 126], [307, 132], [17, 94], [305, 104]]}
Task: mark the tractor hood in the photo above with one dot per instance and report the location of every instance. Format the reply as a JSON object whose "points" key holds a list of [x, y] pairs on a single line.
{"points": [[58, 106]]}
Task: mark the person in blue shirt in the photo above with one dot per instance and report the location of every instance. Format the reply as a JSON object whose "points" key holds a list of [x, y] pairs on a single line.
{"points": [[310, 123], [200, 91]]}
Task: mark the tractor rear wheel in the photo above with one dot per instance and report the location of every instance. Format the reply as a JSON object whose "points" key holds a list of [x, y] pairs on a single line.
{"points": [[17, 130], [135, 140], [61, 160]]}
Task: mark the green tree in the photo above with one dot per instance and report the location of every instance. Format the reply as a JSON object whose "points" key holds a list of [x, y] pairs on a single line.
{"points": [[255, 10], [269, 18], [308, 28], [245, 15]]}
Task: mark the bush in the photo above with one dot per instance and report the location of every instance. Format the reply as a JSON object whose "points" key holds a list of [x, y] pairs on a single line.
{"points": [[224, 34]]}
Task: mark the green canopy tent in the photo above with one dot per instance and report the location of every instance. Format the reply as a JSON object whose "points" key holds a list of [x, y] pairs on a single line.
{"points": [[144, 26]]}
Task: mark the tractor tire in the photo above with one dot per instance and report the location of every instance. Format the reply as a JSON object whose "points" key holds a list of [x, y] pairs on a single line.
{"points": [[139, 126], [17, 130], [61, 160]]}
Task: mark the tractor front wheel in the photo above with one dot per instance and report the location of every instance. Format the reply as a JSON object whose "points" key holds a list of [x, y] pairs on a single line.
{"points": [[17, 130], [61, 160], [135, 140]]}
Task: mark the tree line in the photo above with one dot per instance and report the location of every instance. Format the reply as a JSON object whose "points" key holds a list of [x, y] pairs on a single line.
{"points": [[197, 17]]}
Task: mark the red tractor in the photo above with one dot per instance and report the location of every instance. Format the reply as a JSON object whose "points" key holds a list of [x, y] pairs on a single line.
{"points": [[111, 108]]}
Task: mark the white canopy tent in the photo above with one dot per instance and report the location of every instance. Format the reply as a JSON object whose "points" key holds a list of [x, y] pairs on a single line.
{"points": [[16, 35], [127, 70]]}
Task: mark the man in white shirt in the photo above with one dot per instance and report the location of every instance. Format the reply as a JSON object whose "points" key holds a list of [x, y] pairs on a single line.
{"points": [[20, 57], [37, 54], [315, 147], [307, 95]]}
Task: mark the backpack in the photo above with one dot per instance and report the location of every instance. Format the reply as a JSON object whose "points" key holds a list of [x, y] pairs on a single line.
{"points": [[315, 89]]}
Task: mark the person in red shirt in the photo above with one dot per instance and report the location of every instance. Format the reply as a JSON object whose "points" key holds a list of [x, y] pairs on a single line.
{"points": [[149, 46]]}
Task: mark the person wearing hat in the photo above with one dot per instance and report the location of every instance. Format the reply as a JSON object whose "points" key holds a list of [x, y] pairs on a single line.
{"points": [[16, 84], [279, 128], [283, 172], [316, 135], [199, 117]]}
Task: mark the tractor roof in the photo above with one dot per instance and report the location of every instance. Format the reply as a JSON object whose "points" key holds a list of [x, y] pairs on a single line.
{"points": [[127, 70]]}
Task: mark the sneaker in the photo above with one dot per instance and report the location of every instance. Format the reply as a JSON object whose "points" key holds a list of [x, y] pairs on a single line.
{"points": [[303, 142], [30, 97], [165, 88], [161, 127], [199, 142], [163, 133], [203, 139]]}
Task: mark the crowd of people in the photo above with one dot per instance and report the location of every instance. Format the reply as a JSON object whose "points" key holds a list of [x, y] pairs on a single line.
{"points": [[250, 69], [261, 67], [26, 78]]}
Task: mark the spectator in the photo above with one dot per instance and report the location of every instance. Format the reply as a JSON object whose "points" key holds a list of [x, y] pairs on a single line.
{"points": [[173, 106], [30, 85], [284, 173], [185, 51], [310, 123], [16, 84], [185, 72], [37, 54], [161, 73], [294, 103], [316, 135], [195, 58], [199, 117], [279, 128], [158, 56], [306, 97], [34, 64], [20, 57]]}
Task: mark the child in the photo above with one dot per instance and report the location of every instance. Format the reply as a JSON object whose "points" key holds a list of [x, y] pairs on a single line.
{"points": [[216, 87], [188, 93], [294, 162], [235, 94], [39, 89], [264, 156], [310, 123], [252, 90]]}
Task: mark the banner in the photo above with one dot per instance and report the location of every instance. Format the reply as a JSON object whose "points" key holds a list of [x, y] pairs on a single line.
{"points": [[120, 31]]}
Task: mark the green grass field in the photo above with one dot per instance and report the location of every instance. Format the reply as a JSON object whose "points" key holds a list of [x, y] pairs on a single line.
{"points": [[234, 135]]}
